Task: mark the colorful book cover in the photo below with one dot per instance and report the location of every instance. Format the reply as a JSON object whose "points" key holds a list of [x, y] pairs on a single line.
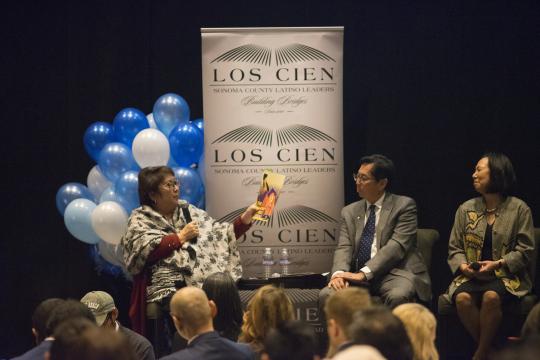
{"points": [[271, 185]]}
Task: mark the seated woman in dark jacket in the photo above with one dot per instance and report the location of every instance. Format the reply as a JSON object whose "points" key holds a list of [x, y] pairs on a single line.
{"points": [[489, 250]]}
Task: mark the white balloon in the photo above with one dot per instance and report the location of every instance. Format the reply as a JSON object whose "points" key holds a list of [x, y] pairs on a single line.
{"points": [[150, 148], [151, 121], [114, 254], [109, 220], [97, 182]]}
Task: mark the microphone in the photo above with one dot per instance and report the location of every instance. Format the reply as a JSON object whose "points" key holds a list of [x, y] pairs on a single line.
{"points": [[187, 216], [475, 266]]}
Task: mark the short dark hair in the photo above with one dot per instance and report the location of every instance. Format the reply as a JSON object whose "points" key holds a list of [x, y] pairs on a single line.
{"points": [[149, 180], [372, 326], [221, 289], [67, 335], [41, 315], [95, 343], [383, 167], [502, 177], [68, 309], [291, 340]]}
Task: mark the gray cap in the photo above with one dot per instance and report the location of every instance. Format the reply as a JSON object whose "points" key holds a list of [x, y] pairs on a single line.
{"points": [[100, 304]]}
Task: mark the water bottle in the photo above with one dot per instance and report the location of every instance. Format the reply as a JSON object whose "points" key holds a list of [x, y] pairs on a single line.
{"points": [[268, 262], [284, 261]]}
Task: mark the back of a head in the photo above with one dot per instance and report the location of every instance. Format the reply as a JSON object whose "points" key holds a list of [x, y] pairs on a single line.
{"points": [[355, 352], [68, 309], [221, 289], [531, 327], [190, 305], [341, 305], [102, 344], [66, 337], [268, 307], [421, 327], [291, 340], [372, 326], [41, 315]]}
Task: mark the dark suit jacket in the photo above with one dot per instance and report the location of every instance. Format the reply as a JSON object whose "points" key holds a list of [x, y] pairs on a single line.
{"points": [[396, 242], [211, 346]]}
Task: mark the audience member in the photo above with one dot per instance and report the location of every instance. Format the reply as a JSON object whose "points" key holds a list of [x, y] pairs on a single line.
{"points": [[339, 310], [421, 327], [528, 348], [101, 343], [378, 327], [221, 289], [192, 314], [290, 340], [42, 336], [268, 307], [102, 306], [66, 336], [357, 352], [68, 309], [377, 242], [532, 323]]}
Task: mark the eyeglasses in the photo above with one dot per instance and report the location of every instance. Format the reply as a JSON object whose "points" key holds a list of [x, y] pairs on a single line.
{"points": [[362, 178], [171, 184]]}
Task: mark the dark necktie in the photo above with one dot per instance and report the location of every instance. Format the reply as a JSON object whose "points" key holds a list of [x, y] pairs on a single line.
{"points": [[366, 240]]}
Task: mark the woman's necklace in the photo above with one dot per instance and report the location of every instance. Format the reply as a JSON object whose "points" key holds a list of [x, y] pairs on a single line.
{"points": [[491, 210]]}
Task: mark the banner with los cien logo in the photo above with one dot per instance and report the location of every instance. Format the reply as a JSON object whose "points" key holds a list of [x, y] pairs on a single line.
{"points": [[273, 100]]}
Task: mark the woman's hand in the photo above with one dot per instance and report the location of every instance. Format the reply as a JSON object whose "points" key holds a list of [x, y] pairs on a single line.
{"points": [[489, 266], [189, 232], [247, 216], [467, 270]]}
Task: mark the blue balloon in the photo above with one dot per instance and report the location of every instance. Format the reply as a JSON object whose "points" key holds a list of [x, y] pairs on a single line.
{"points": [[69, 192], [78, 220], [127, 124], [96, 136], [201, 169], [202, 202], [127, 190], [191, 187], [115, 159], [108, 195], [198, 123], [187, 144], [169, 111], [103, 265]]}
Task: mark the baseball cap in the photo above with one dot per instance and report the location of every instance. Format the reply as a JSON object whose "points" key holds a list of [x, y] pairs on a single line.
{"points": [[100, 304]]}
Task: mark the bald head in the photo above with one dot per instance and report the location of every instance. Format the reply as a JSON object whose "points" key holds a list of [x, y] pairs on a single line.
{"points": [[191, 311]]}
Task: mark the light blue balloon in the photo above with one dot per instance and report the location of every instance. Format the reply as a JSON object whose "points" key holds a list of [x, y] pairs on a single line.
{"points": [[169, 111], [78, 220], [191, 187], [69, 192], [127, 124], [96, 136], [108, 195], [127, 190], [187, 144], [115, 159], [202, 202], [199, 123]]}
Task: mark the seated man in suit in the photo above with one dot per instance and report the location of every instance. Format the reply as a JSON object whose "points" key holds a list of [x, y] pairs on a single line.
{"points": [[192, 315], [377, 242]]}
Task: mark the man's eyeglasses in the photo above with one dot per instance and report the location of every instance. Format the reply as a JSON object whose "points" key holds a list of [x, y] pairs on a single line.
{"points": [[362, 178], [171, 184]]}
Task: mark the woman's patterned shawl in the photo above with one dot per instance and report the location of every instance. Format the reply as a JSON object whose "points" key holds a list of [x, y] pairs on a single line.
{"points": [[215, 249]]}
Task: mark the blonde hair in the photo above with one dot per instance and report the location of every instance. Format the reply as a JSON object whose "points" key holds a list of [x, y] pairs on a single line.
{"points": [[421, 327], [268, 307]]}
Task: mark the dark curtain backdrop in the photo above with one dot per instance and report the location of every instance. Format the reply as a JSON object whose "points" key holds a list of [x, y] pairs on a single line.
{"points": [[430, 84]]}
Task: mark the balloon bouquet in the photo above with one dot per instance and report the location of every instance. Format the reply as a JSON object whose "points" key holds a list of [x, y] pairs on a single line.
{"points": [[97, 213]]}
